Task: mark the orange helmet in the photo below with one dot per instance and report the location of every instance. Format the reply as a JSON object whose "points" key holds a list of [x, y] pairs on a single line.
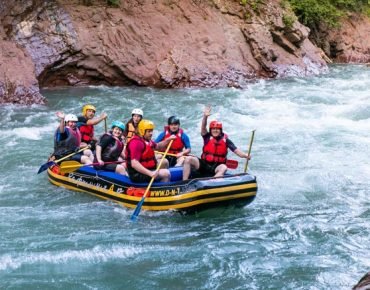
{"points": [[215, 125]]}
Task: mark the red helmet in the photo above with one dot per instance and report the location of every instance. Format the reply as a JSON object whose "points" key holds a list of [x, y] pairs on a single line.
{"points": [[215, 125]]}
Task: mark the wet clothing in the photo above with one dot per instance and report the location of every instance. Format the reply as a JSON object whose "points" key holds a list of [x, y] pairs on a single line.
{"points": [[142, 151], [111, 149]]}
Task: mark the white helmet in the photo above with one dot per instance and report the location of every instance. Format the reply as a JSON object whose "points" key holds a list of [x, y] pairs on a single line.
{"points": [[137, 112], [70, 117]]}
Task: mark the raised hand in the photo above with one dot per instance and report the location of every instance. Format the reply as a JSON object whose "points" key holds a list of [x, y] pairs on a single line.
{"points": [[103, 115], [60, 115], [207, 111]]}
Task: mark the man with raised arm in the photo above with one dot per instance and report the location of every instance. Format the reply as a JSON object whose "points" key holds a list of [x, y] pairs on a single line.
{"points": [[215, 148]]}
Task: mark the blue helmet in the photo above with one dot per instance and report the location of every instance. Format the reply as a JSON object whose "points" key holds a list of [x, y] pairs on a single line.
{"points": [[118, 124]]}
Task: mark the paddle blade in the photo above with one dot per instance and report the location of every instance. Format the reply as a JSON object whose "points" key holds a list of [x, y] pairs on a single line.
{"points": [[70, 166], [45, 166], [232, 164], [137, 210]]}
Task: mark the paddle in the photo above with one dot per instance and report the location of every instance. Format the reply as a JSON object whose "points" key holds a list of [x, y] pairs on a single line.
{"points": [[249, 151], [231, 164], [140, 204], [50, 163], [105, 125], [70, 166]]}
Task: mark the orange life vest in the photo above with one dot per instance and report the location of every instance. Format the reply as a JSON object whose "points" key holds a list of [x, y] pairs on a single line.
{"points": [[215, 150], [131, 132], [177, 144]]}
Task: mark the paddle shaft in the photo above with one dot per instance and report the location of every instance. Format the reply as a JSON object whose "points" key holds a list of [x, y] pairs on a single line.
{"points": [[74, 153], [139, 205], [232, 164], [249, 151], [46, 165]]}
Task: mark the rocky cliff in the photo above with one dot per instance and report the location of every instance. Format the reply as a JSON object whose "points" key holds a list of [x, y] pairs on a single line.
{"points": [[148, 43]]}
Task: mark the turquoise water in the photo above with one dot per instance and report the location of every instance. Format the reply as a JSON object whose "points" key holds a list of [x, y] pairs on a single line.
{"points": [[308, 228]]}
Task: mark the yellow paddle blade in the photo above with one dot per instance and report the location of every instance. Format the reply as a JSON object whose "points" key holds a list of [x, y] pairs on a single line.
{"points": [[70, 166]]}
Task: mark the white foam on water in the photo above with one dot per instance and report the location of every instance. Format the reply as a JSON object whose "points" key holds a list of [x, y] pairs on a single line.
{"points": [[94, 255], [30, 133]]}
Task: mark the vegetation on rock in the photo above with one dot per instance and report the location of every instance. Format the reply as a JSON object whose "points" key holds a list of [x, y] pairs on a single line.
{"points": [[329, 12]]}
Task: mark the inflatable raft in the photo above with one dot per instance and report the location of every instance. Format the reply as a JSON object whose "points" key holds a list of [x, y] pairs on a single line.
{"points": [[185, 196]]}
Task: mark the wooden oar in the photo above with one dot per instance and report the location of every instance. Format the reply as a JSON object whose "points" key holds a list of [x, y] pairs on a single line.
{"points": [[70, 166], [249, 151], [50, 163], [105, 125], [231, 164], [140, 204]]}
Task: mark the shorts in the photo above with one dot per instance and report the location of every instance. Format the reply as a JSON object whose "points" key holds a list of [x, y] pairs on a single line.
{"points": [[172, 160], [207, 169], [77, 157], [107, 167], [138, 177]]}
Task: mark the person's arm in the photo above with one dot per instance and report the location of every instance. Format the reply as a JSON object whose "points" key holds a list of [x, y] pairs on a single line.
{"points": [[186, 141], [237, 151], [161, 146], [100, 146], [160, 137], [206, 114], [97, 120], [98, 151], [242, 154], [61, 116], [140, 168]]}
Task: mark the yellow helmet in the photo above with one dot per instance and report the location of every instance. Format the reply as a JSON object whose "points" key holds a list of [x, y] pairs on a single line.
{"points": [[144, 125], [87, 107]]}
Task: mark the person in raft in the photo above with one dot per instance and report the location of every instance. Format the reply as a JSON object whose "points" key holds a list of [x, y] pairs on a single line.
{"points": [[177, 148], [86, 124], [141, 160], [67, 139], [131, 125], [110, 149], [215, 148]]}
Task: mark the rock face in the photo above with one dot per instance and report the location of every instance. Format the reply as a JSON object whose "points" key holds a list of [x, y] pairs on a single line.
{"points": [[349, 43], [162, 43], [364, 283]]}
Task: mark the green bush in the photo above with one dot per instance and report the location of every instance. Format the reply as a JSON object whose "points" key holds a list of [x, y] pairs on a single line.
{"points": [[114, 3], [314, 12], [289, 19]]}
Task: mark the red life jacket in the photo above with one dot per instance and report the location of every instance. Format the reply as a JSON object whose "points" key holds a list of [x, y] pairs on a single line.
{"points": [[215, 150], [87, 133], [147, 158], [177, 144]]}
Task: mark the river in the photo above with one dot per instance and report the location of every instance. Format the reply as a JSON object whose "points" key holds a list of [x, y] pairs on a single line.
{"points": [[308, 227]]}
